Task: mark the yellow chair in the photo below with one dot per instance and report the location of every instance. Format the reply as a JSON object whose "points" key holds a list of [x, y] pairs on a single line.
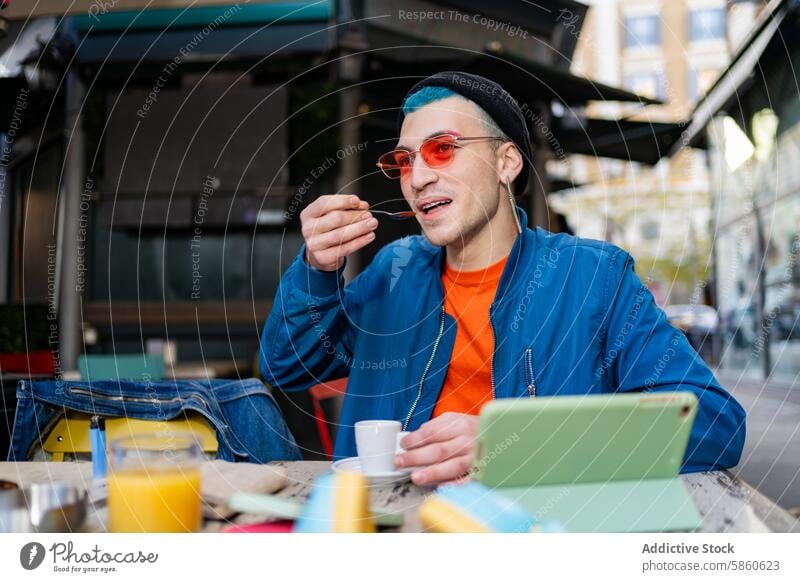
{"points": [[69, 438]]}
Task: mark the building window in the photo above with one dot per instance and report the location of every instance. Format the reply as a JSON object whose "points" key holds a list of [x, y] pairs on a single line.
{"points": [[650, 230], [707, 24], [642, 31], [647, 84], [700, 81]]}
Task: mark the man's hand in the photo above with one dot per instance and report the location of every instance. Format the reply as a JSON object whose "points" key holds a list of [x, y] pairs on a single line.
{"points": [[335, 226], [442, 447]]}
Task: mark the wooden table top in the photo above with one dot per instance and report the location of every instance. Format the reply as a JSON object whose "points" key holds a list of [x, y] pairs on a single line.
{"points": [[725, 503]]}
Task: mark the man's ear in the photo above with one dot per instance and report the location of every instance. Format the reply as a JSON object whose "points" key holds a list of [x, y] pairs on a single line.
{"points": [[509, 162]]}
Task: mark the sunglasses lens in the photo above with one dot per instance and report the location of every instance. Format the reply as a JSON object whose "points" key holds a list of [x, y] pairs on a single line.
{"points": [[395, 163], [438, 151]]}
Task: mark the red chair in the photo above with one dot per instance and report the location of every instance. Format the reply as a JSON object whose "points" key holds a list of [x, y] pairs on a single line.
{"points": [[35, 362], [320, 392]]}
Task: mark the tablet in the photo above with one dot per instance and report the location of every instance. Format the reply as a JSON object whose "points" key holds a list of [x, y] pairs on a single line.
{"points": [[583, 439]]}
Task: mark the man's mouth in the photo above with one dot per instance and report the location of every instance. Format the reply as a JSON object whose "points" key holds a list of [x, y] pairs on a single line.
{"points": [[432, 206]]}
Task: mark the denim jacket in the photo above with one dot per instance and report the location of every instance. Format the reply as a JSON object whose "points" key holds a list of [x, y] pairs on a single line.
{"points": [[247, 420]]}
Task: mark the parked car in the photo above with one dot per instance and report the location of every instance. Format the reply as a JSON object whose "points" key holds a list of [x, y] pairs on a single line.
{"points": [[700, 323]]}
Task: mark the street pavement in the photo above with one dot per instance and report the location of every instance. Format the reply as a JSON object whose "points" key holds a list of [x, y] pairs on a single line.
{"points": [[771, 458]]}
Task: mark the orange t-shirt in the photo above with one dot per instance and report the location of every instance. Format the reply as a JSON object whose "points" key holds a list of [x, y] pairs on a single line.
{"points": [[467, 297]]}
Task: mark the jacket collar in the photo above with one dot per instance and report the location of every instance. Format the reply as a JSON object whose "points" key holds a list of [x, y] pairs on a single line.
{"points": [[516, 269]]}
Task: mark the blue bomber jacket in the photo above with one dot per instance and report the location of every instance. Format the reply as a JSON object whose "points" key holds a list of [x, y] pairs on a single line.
{"points": [[570, 316]]}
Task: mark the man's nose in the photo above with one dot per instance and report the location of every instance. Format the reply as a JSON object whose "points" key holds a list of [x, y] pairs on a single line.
{"points": [[421, 174]]}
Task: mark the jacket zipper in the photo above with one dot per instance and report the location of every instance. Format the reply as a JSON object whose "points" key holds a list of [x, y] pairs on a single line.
{"points": [[529, 370], [494, 349], [425, 371], [123, 398]]}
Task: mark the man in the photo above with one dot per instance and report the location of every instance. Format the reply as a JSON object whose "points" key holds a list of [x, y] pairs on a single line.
{"points": [[478, 307]]}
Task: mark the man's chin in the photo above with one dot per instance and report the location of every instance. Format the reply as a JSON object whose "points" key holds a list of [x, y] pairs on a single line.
{"points": [[439, 237]]}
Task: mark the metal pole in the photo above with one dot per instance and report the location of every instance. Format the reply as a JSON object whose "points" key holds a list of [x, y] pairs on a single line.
{"points": [[5, 219], [761, 315], [69, 313], [349, 168], [539, 184], [350, 41], [693, 258]]}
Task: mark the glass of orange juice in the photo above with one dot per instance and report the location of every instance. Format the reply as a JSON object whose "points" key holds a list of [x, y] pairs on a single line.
{"points": [[154, 483]]}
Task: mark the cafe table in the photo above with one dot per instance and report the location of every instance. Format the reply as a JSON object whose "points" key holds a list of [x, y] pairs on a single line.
{"points": [[725, 503]]}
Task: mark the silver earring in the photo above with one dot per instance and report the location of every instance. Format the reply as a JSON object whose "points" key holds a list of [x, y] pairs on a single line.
{"points": [[513, 207]]}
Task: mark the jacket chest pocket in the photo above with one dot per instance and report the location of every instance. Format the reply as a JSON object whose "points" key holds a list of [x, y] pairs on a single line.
{"points": [[530, 376]]}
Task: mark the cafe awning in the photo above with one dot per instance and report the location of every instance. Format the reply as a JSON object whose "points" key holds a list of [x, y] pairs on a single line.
{"points": [[540, 18], [636, 141], [204, 34], [23, 9], [557, 184], [407, 59], [22, 40], [740, 73], [545, 30], [11, 90]]}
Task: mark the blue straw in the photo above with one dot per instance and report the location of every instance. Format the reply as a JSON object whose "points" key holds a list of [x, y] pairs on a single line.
{"points": [[97, 437]]}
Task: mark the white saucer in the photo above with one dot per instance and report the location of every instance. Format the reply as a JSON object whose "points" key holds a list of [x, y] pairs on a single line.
{"points": [[352, 464]]}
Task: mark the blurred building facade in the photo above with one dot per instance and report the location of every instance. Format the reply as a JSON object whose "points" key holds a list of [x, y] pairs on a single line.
{"points": [[751, 120], [671, 50]]}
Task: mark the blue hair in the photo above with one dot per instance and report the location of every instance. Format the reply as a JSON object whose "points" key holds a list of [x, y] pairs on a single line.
{"points": [[425, 96]]}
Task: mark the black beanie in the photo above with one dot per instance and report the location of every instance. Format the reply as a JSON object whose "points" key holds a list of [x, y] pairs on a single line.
{"points": [[493, 99]]}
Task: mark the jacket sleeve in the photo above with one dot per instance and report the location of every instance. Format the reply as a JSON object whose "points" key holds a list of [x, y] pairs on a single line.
{"points": [[308, 338], [646, 353]]}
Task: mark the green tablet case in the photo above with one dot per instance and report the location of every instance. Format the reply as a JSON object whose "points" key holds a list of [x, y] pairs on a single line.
{"points": [[594, 462]]}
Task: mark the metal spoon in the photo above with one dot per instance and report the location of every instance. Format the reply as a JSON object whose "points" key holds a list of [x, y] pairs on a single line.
{"points": [[402, 215]]}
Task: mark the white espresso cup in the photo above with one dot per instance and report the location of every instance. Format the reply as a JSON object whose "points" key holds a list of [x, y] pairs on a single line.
{"points": [[376, 442]]}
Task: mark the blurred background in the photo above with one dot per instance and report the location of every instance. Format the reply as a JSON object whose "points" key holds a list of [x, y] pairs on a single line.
{"points": [[155, 156]]}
